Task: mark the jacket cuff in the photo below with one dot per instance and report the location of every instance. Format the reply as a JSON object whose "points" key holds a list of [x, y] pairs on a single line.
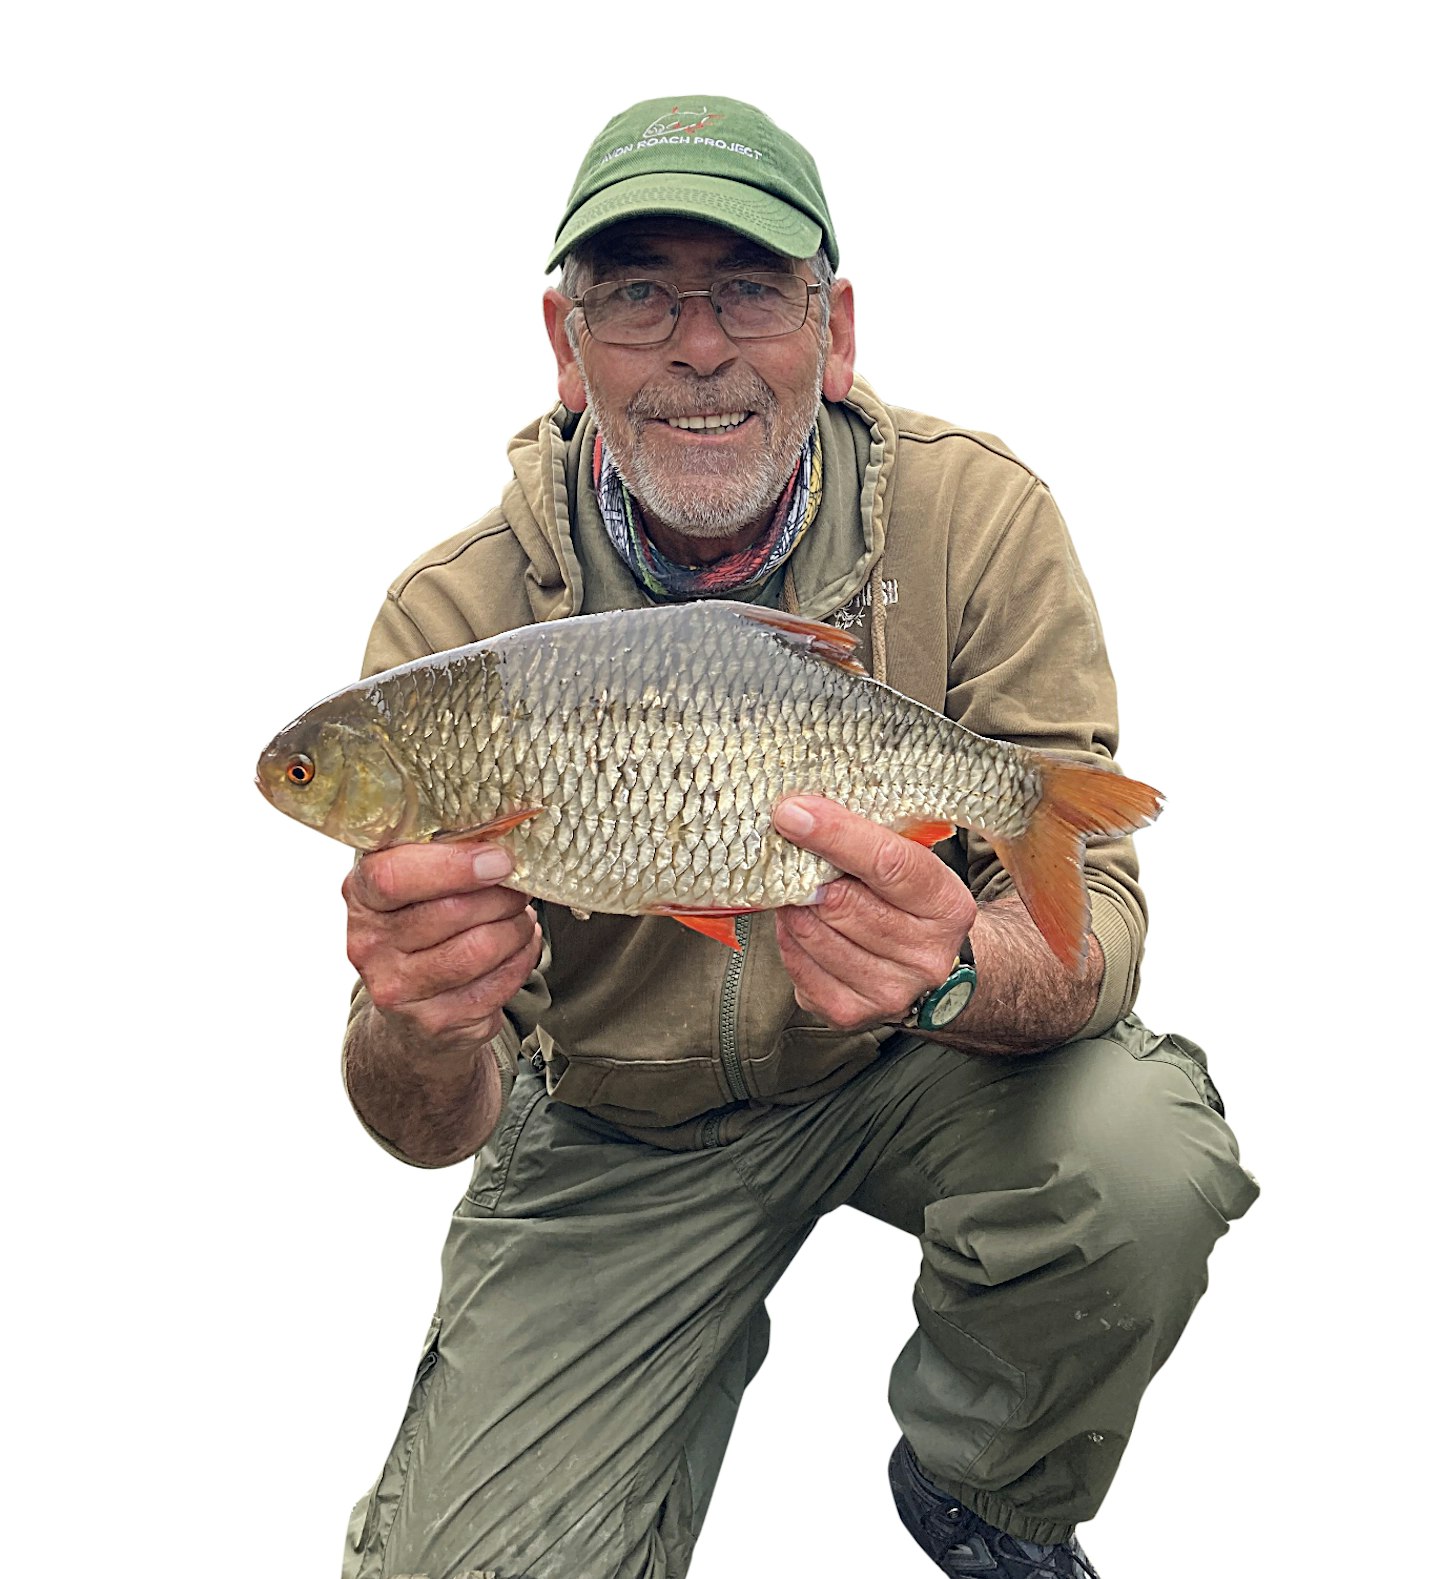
{"points": [[1112, 927]]}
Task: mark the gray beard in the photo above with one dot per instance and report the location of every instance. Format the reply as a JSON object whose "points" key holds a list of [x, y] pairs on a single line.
{"points": [[720, 503]]}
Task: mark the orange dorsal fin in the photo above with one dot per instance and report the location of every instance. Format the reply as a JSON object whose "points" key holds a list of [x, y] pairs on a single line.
{"points": [[717, 922], [924, 830], [821, 641], [488, 830], [1079, 801]]}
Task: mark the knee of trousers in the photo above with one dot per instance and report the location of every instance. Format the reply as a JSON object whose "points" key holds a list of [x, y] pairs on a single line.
{"points": [[1107, 1167]]}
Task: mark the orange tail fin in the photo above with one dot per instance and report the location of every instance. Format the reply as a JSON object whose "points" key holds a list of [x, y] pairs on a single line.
{"points": [[1078, 802]]}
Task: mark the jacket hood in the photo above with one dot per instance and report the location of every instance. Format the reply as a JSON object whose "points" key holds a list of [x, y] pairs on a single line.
{"points": [[552, 510]]}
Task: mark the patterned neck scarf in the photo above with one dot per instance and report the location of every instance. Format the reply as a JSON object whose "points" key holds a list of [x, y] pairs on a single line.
{"points": [[663, 579]]}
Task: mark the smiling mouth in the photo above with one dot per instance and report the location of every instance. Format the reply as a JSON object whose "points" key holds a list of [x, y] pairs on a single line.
{"points": [[709, 424]]}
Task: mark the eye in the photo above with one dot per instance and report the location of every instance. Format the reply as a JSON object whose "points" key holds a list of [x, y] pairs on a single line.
{"points": [[300, 770]]}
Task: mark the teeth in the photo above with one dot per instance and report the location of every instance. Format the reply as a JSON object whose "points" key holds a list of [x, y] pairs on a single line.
{"points": [[726, 419]]}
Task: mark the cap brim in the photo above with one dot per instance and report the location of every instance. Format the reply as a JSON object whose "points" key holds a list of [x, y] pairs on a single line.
{"points": [[753, 213]]}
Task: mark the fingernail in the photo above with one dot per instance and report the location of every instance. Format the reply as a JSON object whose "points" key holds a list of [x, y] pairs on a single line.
{"points": [[491, 862], [792, 818]]}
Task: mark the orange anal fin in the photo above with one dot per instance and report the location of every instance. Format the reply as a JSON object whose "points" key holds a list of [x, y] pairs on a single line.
{"points": [[923, 830], [721, 928], [821, 641], [488, 830], [718, 924]]}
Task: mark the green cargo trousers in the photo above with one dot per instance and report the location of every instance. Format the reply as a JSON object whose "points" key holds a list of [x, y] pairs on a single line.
{"points": [[602, 1301]]}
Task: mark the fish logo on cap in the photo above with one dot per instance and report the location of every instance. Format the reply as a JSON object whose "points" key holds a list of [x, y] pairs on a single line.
{"points": [[679, 120]]}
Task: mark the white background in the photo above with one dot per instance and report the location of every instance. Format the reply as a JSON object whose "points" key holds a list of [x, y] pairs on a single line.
{"points": [[271, 313]]}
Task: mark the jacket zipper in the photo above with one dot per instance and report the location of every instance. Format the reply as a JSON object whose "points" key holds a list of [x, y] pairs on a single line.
{"points": [[730, 1014]]}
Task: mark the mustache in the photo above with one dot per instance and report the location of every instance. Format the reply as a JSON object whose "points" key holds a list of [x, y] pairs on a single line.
{"points": [[694, 395]]}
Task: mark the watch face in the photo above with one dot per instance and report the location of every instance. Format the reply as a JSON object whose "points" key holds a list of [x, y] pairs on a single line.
{"points": [[948, 1000]]}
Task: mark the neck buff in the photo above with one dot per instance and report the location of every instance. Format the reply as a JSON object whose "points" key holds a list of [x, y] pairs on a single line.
{"points": [[663, 579]]}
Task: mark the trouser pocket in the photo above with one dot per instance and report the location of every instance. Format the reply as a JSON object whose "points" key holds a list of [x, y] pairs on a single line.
{"points": [[364, 1557], [492, 1166]]}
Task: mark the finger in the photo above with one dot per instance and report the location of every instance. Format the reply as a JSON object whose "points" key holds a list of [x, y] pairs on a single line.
{"points": [[475, 1009], [855, 999], [844, 980], [910, 876], [851, 910], [408, 874], [399, 980], [422, 926]]}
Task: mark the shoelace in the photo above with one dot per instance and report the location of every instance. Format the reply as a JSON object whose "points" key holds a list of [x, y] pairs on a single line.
{"points": [[1048, 1562]]}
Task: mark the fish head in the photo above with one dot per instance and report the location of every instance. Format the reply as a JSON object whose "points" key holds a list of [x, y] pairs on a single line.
{"points": [[339, 776]]}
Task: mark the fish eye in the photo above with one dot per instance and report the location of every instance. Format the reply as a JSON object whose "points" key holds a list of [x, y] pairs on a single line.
{"points": [[300, 770]]}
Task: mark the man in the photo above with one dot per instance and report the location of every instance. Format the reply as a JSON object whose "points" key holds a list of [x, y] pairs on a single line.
{"points": [[681, 1115]]}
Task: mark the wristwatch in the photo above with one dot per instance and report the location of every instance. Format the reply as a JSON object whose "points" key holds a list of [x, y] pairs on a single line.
{"points": [[934, 1010]]}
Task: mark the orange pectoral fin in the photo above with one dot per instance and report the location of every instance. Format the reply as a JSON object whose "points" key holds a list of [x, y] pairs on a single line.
{"points": [[488, 830], [718, 924], [924, 831]]}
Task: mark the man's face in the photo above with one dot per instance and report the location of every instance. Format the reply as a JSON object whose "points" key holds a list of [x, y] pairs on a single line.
{"points": [[702, 482]]}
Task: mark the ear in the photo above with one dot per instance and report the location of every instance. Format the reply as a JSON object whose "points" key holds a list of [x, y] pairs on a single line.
{"points": [[571, 385], [839, 372]]}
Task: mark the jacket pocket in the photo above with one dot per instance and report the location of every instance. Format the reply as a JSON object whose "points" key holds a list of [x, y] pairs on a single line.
{"points": [[1171, 1048], [636, 1091], [807, 1061]]}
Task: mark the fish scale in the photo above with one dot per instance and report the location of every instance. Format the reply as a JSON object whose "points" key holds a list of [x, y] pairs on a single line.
{"points": [[644, 751], [673, 720]]}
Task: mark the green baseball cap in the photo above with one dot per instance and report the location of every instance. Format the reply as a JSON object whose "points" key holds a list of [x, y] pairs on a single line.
{"points": [[702, 158]]}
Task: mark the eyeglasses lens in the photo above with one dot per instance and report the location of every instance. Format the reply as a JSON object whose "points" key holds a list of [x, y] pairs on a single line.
{"points": [[644, 312]]}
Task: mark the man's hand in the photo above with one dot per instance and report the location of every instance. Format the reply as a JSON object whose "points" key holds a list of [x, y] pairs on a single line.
{"points": [[883, 934], [441, 947], [890, 929]]}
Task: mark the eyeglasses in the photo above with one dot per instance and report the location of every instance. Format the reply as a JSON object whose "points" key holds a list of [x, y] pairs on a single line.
{"points": [[645, 312]]}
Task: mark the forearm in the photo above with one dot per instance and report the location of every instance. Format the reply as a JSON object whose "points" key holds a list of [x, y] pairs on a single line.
{"points": [[432, 1104], [1024, 1000]]}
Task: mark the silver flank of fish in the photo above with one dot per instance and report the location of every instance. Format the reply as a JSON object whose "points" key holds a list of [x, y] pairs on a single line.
{"points": [[658, 743]]}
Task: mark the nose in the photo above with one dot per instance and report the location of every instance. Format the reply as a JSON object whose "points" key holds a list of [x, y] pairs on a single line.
{"points": [[698, 342]]}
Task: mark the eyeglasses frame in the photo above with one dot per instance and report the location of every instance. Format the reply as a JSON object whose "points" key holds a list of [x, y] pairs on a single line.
{"points": [[681, 297]]}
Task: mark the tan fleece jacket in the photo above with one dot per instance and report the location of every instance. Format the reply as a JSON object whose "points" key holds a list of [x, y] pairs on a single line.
{"points": [[949, 560]]}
